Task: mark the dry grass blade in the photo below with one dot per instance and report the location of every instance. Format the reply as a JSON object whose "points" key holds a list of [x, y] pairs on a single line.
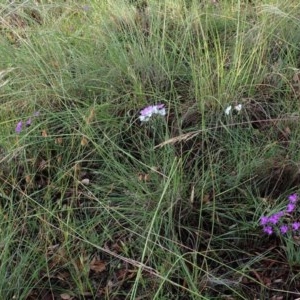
{"points": [[182, 137]]}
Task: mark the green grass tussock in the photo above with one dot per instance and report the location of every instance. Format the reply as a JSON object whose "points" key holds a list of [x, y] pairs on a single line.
{"points": [[96, 204]]}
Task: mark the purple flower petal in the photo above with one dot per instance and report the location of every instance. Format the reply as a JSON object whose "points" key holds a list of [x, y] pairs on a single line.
{"points": [[28, 122], [147, 112], [290, 207], [293, 198], [274, 219], [296, 225], [86, 7], [284, 229], [264, 220], [19, 127], [268, 230]]}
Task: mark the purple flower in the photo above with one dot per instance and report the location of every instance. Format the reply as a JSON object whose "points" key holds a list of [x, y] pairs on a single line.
{"points": [[284, 229], [264, 220], [268, 230], [296, 225], [19, 127], [86, 7], [28, 122], [276, 217], [293, 198], [290, 207], [147, 112]]}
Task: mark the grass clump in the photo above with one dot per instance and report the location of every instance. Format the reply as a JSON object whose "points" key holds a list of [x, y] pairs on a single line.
{"points": [[97, 204]]}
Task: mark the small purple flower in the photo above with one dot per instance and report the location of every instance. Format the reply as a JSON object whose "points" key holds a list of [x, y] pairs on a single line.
{"points": [[264, 220], [280, 213], [296, 225], [268, 230], [290, 207], [19, 127], [274, 219], [147, 112], [28, 122], [86, 7], [293, 198], [284, 229]]}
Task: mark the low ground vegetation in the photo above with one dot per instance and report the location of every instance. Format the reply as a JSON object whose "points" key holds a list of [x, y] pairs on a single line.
{"points": [[149, 149]]}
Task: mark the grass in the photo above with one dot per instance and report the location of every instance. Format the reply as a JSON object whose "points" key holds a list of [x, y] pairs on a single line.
{"points": [[95, 204]]}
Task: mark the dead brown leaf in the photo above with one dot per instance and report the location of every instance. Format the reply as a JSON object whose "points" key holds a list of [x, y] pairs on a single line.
{"points": [[125, 274], [42, 165], [277, 297], [296, 77], [116, 247], [58, 256], [90, 118], [66, 296], [59, 140], [28, 179], [84, 141], [44, 133], [97, 265], [206, 198], [41, 294], [144, 177], [59, 159]]}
